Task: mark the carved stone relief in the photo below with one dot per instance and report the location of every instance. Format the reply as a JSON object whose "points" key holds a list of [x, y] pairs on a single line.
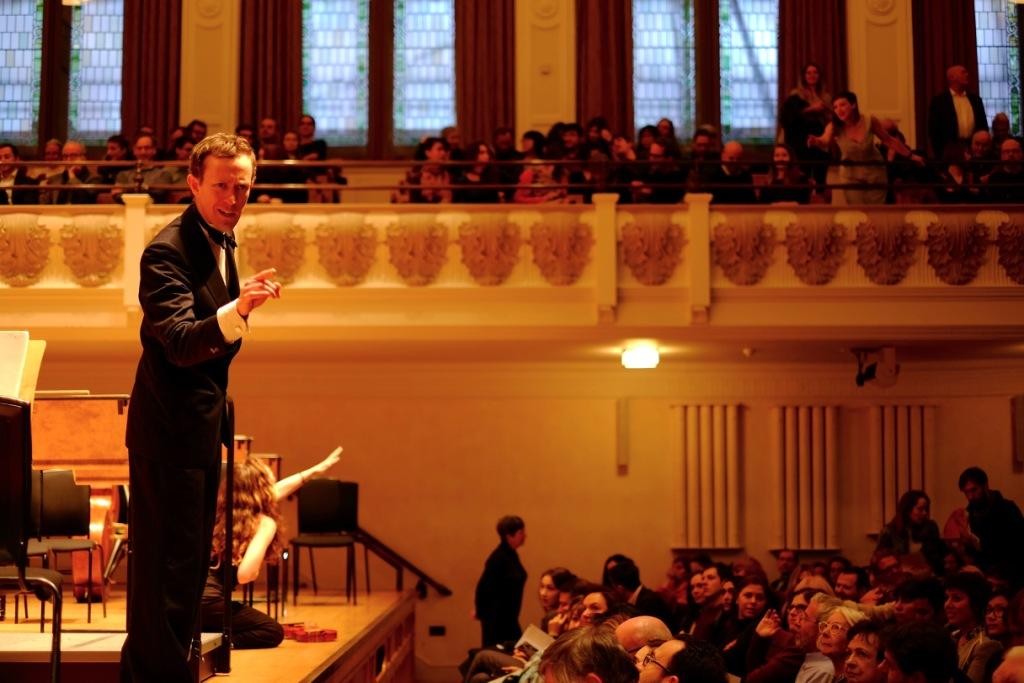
{"points": [[561, 247], [744, 252], [348, 248], [816, 251], [490, 248], [1011, 250], [274, 241], [886, 252], [957, 251], [24, 249], [92, 248], [419, 248], [651, 248]]}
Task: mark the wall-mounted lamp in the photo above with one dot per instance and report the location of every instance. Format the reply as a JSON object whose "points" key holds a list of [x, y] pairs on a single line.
{"points": [[641, 355]]}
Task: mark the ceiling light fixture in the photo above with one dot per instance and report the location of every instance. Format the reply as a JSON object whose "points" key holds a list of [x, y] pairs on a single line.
{"points": [[641, 355]]}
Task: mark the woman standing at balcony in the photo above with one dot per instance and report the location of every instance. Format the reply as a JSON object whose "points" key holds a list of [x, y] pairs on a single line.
{"points": [[855, 134]]}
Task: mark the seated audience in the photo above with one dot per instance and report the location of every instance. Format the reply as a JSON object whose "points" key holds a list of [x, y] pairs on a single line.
{"points": [[956, 181], [196, 130], [662, 181], [919, 600], [646, 136], [79, 174], [864, 653], [886, 573], [1000, 129], [996, 625], [787, 183], [118, 149], [919, 652], [587, 654], [703, 161], [310, 147], [146, 175], [686, 660], [1006, 182], [505, 151], [473, 178], [427, 183], [539, 184], [624, 581], [46, 169], [531, 146], [12, 175], [967, 596], [731, 182], [634, 634], [851, 584]]}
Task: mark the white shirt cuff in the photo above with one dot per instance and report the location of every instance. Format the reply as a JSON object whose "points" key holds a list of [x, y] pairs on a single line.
{"points": [[232, 325]]}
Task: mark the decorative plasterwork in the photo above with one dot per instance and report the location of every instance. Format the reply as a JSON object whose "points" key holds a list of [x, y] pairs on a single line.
{"points": [[24, 249], [419, 248], [347, 246], [886, 252], [816, 251], [274, 241], [490, 247], [652, 248], [1011, 250], [956, 251], [561, 247], [92, 248], [744, 252]]}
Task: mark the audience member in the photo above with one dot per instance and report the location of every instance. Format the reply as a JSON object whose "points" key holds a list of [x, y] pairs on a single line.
{"points": [[540, 183], [644, 138], [505, 151], [310, 148], [919, 652], [967, 596], [247, 131], [954, 114], [731, 181], [864, 653], [147, 174], [786, 182], [499, 592], [268, 132], [12, 175], [686, 660], [1006, 183], [79, 174], [786, 562], [851, 584], [196, 130], [805, 112], [635, 634], [474, 179], [912, 530], [886, 573], [662, 182], [531, 146], [1000, 129], [996, 523], [453, 137], [624, 581], [919, 600], [587, 654], [427, 183], [996, 625]]}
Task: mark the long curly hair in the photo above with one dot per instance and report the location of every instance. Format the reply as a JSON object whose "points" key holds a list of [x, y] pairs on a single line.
{"points": [[254, 496]]}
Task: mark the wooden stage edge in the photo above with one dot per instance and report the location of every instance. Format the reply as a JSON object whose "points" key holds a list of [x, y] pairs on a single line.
{"points": [[375, 640]]}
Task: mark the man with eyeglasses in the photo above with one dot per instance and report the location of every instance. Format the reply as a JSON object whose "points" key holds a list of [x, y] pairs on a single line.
{"points": [[817, 667], [688, 660], [79, 174]]}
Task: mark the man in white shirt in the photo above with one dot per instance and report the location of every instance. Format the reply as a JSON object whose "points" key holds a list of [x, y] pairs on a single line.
{"points": [[955, 114]]}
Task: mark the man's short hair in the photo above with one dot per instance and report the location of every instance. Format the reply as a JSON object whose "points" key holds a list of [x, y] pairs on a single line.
{"points": [[221, 146], [588, 650], [929, 589], [510, 524], [698, 662], [975, 474], [868, 628], [14, 148], [625, 575], [924, 648], [861, 574]]}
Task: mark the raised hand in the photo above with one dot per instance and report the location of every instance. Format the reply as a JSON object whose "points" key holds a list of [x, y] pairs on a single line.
{"points": [[256, 290]]}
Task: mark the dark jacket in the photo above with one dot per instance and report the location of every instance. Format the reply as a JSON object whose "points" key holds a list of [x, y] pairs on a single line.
{"points": [[177, 411], [942, 124], [999, 525], [499, 595], [26, 196]]}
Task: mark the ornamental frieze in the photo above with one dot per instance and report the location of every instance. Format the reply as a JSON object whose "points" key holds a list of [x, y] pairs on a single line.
{"points": [[418, 247], [816, 251], [274, 241], [348, 248], [490, 247], [92, 248], [561, 247], [651, 248], [24, 249], [956, 251], [886, 252]]}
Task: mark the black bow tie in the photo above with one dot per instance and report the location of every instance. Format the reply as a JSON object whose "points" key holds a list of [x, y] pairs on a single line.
{"points": [[222, 238]]}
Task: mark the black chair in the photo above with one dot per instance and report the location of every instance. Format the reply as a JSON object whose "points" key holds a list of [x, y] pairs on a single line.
{"points": [[329, 518], [15, 518], [64, 513]]}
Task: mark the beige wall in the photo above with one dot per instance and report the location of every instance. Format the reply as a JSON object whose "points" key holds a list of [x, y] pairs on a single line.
{"points": [[441, 451]]}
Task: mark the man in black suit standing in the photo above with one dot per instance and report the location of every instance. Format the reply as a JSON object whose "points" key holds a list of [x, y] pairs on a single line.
{"points": [[955, 114], [195, 312]]}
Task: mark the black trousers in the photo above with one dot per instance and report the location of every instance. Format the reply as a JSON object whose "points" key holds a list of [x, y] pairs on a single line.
{"points": [[250, 628], [171, 516]]}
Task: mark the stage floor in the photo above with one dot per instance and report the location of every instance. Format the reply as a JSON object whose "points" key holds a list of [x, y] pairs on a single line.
{"points": [[291, 661]]}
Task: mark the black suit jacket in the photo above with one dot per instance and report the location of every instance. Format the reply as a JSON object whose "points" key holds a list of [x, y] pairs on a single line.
{"points": [[177, 413], [21, 177], [942, 124]]}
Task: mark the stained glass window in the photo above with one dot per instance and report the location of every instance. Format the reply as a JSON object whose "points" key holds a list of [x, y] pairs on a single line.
{"points": [[999, 59], [335, 68], [424, 68], [664, 63], [748, 32], [21, 52], [94, 103]]}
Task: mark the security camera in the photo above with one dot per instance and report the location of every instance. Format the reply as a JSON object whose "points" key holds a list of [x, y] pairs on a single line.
{"points": [[877, 365]]}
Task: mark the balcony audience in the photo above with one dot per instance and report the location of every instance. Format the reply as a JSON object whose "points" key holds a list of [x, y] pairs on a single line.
{"points": [[12, 175], [1006, 182], [955, 114], [79, 174]]}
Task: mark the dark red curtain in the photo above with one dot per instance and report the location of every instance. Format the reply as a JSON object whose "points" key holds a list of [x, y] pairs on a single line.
{"points": [[270, 82], [485, 67], [604, 63], [812, 31], [944, 35], [152, 67]]}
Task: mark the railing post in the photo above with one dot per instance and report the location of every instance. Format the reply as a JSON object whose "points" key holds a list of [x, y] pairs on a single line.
{"points": [[607, 280], [698, 245], [135, 206]]}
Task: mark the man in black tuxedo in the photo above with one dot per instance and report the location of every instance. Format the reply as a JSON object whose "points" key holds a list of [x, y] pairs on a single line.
{"points": [[195, 312], [955, 114]]}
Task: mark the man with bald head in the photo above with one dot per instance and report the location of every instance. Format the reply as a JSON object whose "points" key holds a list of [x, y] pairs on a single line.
{"points": [[731, 182], [636, 633], [72, 151], [1006, 184], [955, 114]]}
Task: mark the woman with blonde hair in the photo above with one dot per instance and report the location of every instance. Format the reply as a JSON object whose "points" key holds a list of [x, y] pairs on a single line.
{"points": [[256, 534]]}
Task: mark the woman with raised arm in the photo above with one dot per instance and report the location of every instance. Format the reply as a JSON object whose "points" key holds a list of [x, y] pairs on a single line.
{"points": [[256, 531], [855, 133]]}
